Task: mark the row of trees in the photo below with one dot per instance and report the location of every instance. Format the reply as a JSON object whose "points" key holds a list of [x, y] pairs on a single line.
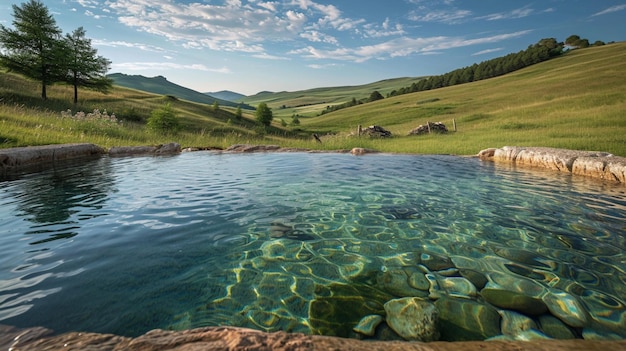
{"points": [[37, 49], [544, 50]]}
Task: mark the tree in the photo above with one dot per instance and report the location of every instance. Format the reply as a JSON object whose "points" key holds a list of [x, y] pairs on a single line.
{"points": [[238, 113], [34, 47], [84, 67], [264, 114], [163, 120], [375, 95], [216, 105]]}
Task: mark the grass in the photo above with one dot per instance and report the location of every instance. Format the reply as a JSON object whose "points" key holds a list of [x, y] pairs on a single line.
{"points": [[576, 101]]}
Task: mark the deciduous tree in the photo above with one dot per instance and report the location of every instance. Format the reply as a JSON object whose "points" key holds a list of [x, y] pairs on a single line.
{"points": [[264, 114]]}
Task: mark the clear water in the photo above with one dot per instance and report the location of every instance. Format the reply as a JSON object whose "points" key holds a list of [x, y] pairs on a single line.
{"points": [[126, 245]]}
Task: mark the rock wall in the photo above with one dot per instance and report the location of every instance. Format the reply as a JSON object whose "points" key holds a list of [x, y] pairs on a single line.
{"points": [[594, 164], [239, 339], [38, 157]]}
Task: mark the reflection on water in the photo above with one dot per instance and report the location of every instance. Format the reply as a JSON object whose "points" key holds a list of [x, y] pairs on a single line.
{"points": [[311, 243]]}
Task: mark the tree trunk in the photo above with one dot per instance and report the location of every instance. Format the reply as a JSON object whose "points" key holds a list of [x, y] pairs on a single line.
{"points": [[75, 89]]}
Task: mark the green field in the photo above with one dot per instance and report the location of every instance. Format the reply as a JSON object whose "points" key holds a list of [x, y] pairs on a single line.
{"points": [[576, 101]]}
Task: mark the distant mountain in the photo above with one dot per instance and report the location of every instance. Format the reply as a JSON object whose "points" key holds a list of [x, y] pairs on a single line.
{"points": [[227, 95], [160, 85]]}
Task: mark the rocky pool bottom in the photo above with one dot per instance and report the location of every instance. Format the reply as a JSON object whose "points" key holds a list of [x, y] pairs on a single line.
{"points": [[382, 247]]}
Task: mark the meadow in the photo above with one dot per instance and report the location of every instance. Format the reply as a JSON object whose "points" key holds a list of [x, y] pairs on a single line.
{"points": [[576, 101]]}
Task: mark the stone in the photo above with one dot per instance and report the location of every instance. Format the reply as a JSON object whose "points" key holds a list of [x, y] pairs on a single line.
{"points": [[414, 319], [418, 281], [478, 279], [487, 154], [554, 328], [359, 151], [430, 127], [593, 164], [240, 339], [458, 286], [376, 132], [465, 319], [38, 158], [513, 300], [368, 324], [436, 262], [513, 323], [166, 149], [567, 308], [395, 281]]}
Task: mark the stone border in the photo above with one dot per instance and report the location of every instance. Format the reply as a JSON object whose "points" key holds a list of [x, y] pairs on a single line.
{"points": [[593, 164], [240, 339]]}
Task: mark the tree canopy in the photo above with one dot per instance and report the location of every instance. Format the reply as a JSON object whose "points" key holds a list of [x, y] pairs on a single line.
{"points": [[264, 114], [84, 67], [36, 48]]}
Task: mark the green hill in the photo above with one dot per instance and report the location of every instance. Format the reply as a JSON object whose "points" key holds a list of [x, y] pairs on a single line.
{"points": [[575, 101], [160, 85], [313, 101]]}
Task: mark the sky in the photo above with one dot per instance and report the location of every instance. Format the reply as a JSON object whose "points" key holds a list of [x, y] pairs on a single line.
{"points": [[248, 46]]}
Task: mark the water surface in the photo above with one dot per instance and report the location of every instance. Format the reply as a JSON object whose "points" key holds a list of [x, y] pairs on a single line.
{"points": [[126, 245]]}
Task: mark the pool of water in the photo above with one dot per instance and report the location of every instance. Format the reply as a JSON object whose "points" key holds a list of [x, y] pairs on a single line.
{"points": [[309, 243]]}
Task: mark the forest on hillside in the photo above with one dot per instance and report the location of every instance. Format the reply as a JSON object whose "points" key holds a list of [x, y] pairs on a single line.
{"points": [[543, 50]]}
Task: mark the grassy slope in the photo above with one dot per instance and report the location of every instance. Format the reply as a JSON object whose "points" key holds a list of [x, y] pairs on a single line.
{"points": [[576, 101], [160, 85], [311, 102]]}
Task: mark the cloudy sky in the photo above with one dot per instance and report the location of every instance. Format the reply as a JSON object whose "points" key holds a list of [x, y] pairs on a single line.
{"points": [[252, 45]]}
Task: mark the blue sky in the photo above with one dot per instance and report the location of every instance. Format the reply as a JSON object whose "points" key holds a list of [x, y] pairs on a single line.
{"points": [[252, 45]]}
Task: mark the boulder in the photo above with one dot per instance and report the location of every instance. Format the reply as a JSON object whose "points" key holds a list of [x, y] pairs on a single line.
{"points": [[594, 164], [414, 319], [465, 319], [40, 157], [164, 149], [376, 132], [514, 300], [430, 127]]}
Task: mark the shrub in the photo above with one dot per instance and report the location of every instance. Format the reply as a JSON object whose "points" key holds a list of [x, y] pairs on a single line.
{"points": [[163, 120]]}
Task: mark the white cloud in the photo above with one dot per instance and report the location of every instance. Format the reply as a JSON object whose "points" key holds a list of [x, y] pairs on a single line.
{"points": [[144, 66], [139, 46], [315, 36], [401, 47], [517, 13], [443, 16], [386, 29], [324, 66], [266, 56], [233, 25], [611, 9], [488, 51]]}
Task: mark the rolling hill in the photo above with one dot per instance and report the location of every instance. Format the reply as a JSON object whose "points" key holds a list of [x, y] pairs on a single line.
{"points": [[227, 95], [160, 85], [575, 101]]}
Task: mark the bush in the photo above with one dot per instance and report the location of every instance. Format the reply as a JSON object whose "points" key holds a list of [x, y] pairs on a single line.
{"points": [[163, 120]]}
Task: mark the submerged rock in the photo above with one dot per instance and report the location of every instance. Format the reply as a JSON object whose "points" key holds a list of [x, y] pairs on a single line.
{"points": [[513, 300], [567, 308], [368, 324], [413, 318], [554, 328], [513, 323], [464, 319]]}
